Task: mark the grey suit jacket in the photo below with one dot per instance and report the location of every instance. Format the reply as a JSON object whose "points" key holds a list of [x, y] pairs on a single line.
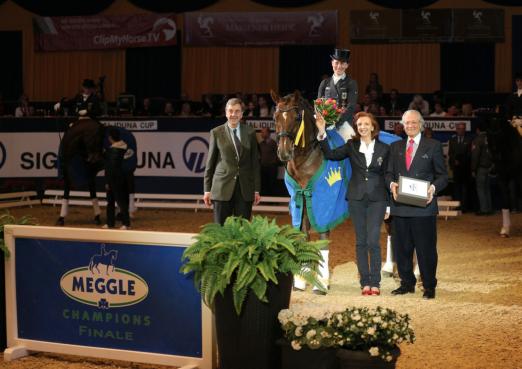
{"points": [[427, 164], [223, 168]]}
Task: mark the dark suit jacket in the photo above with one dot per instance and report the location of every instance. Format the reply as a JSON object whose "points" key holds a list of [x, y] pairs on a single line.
{"points": [[346, 87], [427, 164], [365, 180], [224, 169]]}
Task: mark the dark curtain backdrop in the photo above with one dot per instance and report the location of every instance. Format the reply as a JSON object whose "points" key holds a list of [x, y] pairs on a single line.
{"points": [[517, 44], [59, 8], [467, 67], [301, 68], [287, 3], [162, 6], [154, 71], [505, 2], [11, 83]]}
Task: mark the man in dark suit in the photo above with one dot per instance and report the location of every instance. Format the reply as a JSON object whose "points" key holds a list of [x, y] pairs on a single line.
{"points": [[232, 175], [340, 87], [415, 228], [459, 153]]}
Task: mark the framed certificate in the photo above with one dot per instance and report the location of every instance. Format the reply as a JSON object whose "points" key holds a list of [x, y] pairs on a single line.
{"points": [[413, 191]]}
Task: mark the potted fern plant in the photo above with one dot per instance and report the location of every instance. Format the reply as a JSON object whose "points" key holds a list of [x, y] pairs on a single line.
{"points": [[244, 271], [6, 218]]}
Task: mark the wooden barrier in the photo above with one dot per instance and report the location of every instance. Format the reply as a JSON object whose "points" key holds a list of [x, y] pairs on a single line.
{"points": [[447, 207], [26, 198]]}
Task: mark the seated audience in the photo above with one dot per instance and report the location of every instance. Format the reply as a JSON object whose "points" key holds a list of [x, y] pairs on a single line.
{"points": [[24, 109], [419, 104], [439, 110]]}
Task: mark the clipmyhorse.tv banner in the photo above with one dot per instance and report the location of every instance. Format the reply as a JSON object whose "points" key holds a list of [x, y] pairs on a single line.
{"points": [[104, 32], [260, 28]]}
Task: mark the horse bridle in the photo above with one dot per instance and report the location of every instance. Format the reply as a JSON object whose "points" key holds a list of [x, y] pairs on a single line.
{"points": [[290, 135]]}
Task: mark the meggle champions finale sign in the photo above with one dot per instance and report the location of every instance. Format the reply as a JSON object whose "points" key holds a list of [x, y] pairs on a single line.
{"points": [[106, 290]]}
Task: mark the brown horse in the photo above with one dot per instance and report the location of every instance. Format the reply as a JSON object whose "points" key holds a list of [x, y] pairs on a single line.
{"points": [[302, 161], [305, 166]]}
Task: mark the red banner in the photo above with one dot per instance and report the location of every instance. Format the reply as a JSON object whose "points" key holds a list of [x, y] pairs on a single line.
{"points": [[244, 29], [104, 32]]}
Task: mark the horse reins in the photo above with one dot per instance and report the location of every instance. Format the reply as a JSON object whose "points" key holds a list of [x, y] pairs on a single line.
{"points": [[284, 133]]}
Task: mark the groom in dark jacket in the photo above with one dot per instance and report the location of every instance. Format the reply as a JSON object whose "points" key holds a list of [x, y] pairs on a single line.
{"points": [[232, 174], [415, 227]]}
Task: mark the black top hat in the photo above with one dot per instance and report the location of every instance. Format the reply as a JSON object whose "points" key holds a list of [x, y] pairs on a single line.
{"points": [[88, 83], [341, 55]]}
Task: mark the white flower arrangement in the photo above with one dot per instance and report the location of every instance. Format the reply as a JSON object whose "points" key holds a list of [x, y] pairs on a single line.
{"points": [[377, 331]]}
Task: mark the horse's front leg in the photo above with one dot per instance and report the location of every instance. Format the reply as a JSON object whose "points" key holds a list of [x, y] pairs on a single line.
{"points": [[64, 208], [324, 266], [94, 199], [299, 282], [387, 268]]}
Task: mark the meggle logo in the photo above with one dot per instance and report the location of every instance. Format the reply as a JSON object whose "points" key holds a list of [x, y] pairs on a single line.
{"points": [[103, 285]]}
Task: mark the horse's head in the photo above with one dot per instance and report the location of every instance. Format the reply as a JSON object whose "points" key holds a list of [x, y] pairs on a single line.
{"points": [[288, 116]]}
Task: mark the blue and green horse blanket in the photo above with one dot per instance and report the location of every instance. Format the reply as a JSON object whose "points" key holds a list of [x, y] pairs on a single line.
{"points": [[325, 193]]}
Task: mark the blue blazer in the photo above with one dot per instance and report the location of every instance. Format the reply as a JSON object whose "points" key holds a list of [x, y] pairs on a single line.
{"points": [[427, 164], [365, 180]]}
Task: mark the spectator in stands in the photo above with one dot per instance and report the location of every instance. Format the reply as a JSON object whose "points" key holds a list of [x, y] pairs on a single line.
{"points": [[264, 109], [459, 152], [382, 111], [169, 109], [374, 84], [116, 186], [398, 129], [373, 109], [254, 98], [419, 104], [24, 109], [209, 108], [438, 110], [366, 102], [357, 108], [453, 111], [269, 163], [145, 109], [467, 110], [481, 165], [374, 96], [186, 110], [251, 110], [393, 105]]}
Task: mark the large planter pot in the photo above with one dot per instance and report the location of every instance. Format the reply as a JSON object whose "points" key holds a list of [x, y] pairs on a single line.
{"points": [[349, 359], [305, 358], [249, 340]]}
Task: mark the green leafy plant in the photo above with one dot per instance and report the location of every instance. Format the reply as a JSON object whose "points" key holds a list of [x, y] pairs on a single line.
{"points": [[247, 255], [377, 330], [329, 109], [7, 218]]}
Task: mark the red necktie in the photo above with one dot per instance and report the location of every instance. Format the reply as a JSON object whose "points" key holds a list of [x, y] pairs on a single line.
{"points": [[409, 153]]}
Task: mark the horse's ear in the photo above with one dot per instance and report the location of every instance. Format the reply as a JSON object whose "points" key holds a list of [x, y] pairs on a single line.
{"points": [[297, 95], [275, 96]]}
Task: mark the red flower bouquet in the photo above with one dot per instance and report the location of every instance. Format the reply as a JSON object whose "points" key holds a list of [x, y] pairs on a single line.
{"points": [[329, 109]]}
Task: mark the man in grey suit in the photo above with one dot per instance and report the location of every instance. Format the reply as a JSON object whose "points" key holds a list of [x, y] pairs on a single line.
{"points": [[414, 227], [232, 175]]}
